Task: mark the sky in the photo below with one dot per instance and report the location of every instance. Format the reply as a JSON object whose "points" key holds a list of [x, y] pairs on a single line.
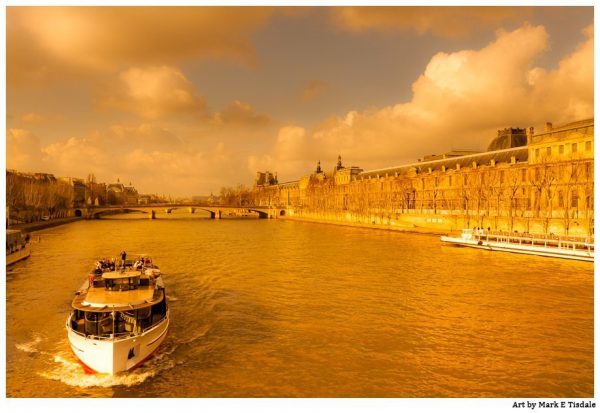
{"points": [[186, 100]]}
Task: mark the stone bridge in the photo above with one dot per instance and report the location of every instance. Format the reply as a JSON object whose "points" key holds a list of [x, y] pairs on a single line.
{"points": [[216, 212]]}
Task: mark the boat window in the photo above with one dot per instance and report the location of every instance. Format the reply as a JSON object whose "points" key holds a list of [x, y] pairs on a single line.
{"points": [[122, 284], [144, 317], [98, 324]]}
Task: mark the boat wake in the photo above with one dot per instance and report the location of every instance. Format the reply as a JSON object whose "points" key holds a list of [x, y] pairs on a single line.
{"points": [[66, 368], [30, 346]]}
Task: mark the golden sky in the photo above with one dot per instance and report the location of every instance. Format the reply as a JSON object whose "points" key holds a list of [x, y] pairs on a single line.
{"points": [[184, 100]]}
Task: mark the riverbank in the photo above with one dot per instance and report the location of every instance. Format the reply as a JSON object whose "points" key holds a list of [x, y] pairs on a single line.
{"points": [[392, 227], [40, 225]]}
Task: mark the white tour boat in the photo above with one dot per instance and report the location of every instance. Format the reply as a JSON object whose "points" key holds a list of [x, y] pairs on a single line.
{"points": [[17, 246], [119, 316], [575, 248]]}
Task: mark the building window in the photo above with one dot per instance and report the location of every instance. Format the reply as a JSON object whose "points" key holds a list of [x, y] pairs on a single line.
{"points": [[465, 179], [523, 175], [501, 177], [561, 149], [449, 181], [574, 148], [561, 201], [537, 152], [574, 199], [548, 151], [588, 146]]}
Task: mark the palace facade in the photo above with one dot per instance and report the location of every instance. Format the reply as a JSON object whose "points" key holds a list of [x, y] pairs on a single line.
{"points": [[526, 182]]}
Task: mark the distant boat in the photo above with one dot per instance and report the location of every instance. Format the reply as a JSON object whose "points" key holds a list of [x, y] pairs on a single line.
{"points": [[575, 248], [119, 317], [17, 246]]}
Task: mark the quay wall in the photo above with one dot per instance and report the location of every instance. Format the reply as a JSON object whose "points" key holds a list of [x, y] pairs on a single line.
{"points": [[40, 225], [440, 223]]}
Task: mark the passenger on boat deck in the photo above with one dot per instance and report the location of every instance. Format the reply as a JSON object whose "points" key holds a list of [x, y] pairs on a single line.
{"points": [[123, 258], [98, 270]]}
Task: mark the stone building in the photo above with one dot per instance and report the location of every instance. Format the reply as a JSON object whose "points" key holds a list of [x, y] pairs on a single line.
{"points": [[79, 190], [526, 182], [116, 193]]}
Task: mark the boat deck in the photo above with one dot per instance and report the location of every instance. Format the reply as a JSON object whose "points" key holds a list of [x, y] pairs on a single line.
{"points": [[93, 296], [544, 245], [100, 299]]}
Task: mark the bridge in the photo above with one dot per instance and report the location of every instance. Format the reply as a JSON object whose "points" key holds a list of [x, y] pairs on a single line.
{"points": [[216, 212]]}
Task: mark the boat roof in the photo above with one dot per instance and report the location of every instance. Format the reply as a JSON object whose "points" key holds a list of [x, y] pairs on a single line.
{"points": [[115, 275], [99, 299]]}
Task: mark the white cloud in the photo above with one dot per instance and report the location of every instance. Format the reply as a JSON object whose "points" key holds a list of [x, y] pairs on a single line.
{"points": [[459, 102], [23, 151], [151, 92]]}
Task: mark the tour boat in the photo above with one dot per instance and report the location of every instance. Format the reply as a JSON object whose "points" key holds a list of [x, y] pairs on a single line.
{"points": [[119, 317], [575, 248], [17, 246]]}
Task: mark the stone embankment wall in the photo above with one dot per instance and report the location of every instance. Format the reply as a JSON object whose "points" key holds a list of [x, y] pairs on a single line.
{"points": [[442, 223]]}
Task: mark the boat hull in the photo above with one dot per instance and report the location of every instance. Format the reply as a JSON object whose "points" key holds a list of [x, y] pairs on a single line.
{"points": [[118, 354], [19, 255], [567, 253]]}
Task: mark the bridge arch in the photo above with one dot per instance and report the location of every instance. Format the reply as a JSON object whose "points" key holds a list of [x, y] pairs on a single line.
{"points": [[78, 213], [261, 214], [98, 214]]}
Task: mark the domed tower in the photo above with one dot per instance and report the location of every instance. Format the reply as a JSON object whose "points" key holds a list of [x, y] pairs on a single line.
{"points": [[318, 170], [339, 163], [508, 138]]}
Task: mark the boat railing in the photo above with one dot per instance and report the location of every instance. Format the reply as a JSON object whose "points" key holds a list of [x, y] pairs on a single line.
{"points": [[120, 335], [546, 240], [162, 319]]}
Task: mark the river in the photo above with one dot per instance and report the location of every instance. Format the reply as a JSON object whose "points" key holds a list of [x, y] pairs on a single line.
{"points": [[276, 308]]}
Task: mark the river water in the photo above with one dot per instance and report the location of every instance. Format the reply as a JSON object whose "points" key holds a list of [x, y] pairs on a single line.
{"points": [[280, 308]]}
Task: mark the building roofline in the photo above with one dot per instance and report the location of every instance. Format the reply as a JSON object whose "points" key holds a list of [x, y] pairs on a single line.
{"points": [[454, 158]]}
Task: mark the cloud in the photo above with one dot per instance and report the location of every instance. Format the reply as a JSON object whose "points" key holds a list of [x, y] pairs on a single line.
{"points": [[155, 159], [450, 22], [459, 102], [569, 87], [57, 43], [23, 151], [34, 118], [151, 92], [313, 89], [293, 152], [240, 114]]}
